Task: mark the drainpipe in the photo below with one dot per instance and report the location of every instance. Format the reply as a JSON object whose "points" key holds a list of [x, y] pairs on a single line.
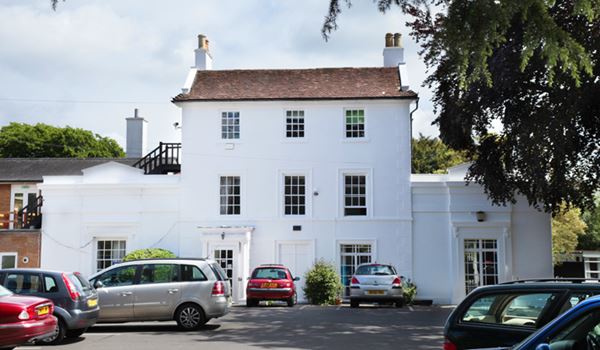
{"points": [[411, 127]]}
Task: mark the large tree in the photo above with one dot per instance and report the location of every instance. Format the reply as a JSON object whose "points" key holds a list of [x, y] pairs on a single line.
{"points": [[41, 140], [530, 66], [567, 227], [431, 156]]}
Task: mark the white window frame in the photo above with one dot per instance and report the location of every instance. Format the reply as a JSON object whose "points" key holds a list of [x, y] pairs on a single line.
{"points": [[479, 252], [365, 125], [338, 252], [241, 194], [107, 239], [306, 192], [239, 126], [368, 173], [285, 122], [25, 189], [15, 254]]}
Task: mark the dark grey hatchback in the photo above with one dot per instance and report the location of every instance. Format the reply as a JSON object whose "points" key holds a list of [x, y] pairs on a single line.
{"points": [[75, 301], [505, 314]]}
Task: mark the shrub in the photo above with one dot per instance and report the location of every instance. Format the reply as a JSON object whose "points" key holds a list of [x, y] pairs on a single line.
{"points": [[409, 291], [322, 284], [149, 253]]}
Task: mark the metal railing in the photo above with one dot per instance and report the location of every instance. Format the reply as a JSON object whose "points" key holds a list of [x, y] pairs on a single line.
{"points": [[162, 160], [29, 217]]}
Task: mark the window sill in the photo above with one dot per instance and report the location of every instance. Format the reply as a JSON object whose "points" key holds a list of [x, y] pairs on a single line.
{"points": [[294, 140], [356, 140]]}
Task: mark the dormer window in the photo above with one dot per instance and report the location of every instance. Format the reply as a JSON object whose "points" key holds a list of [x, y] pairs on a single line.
{"points": [[355, 123], [230, 125]]}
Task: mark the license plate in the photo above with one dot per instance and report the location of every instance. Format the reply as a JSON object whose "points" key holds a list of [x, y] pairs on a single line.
{"points": [[268, 285], [44, 310], [375, 292], [92, 302]]}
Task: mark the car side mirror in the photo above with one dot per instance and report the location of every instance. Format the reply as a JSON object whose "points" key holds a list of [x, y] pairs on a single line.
{"points": [[542, 346], [296, 278], [98, 284]]}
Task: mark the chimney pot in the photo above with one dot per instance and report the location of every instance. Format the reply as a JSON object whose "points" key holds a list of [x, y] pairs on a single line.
{"points": [[202, 42], [389, 40], [135, 113], [398, 40]]}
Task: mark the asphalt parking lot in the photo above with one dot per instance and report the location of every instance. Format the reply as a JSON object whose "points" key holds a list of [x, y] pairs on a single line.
{"points": [[275, 327]]}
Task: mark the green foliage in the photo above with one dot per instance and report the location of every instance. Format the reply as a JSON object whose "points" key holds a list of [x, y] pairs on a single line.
{"points": [[409, 291], [431, 156], [591, 239], [35, 141], [322, 284], [149, 253], [567, 226], [529, 67]]}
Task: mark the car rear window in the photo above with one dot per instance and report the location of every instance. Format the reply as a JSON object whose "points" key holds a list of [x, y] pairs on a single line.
{"points": [[521, 310], [270, 273], [80, 283], [381, 270], [4, 292], [219, 272]]}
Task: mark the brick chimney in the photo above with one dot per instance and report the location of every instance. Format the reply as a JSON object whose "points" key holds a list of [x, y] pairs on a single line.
{"points": [[203, 58], [393, 56], [136, 136]]}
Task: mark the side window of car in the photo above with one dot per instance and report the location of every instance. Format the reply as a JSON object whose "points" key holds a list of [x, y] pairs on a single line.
{"points": [[23, 283], [574, 299], [159, 273], [50, 285], [191, 273], [121, 276]]}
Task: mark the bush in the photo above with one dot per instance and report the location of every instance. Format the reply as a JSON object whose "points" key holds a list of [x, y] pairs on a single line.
{"points": [[409, 291], [322, 284], [150, 253]]}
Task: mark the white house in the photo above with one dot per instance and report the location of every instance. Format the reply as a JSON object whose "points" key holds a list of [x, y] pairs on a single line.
{"points": [[291, 166]]}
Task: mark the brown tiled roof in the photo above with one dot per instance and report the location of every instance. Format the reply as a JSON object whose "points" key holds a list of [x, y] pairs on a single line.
{"points": [[296, 84]]}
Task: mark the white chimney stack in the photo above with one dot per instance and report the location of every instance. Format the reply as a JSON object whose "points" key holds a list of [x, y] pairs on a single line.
{"points": [[203, 58], [136, 136], [393, 56]]}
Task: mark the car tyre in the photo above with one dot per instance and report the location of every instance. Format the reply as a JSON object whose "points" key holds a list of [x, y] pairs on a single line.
{"points": [[251, 302], [58, 336], [293, 300], [353, 303], [190, 317], [399, 303], [75, 333]]}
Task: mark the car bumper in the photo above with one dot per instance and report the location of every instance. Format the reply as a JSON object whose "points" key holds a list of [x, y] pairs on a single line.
{"points": [[218, 306], [269, 293], [376, 294], [13, 334], [82, 319]]}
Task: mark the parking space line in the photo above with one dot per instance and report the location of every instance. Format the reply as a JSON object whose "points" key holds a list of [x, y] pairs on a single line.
{"points": [[411, 308], [303, 307], [101, 334]]}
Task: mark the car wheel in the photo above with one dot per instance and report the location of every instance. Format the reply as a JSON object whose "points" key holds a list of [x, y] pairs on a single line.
{"points": [[251, 302], [292, 300], [353, 303], [58, 335], [75, 333], [190, 317], [399, 303]]}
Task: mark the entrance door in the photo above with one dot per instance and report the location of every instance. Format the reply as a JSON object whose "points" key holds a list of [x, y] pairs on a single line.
{"points": [[352, 255], [225, 256], [298, 257], [481, 263]]}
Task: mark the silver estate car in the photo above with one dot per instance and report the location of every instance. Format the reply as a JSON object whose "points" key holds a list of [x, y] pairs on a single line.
{"points": [[189, 291], [376, 283]]}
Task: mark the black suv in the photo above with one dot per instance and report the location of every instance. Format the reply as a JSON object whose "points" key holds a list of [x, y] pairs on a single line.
{"points": [[75, 301], [504, 314]]}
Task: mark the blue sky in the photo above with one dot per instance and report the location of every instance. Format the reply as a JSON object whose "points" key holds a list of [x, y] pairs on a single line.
{"points": [[90, 63]]}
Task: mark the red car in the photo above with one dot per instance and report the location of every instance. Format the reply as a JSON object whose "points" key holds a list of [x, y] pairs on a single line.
{"points": [[24, 319], [271, 282]]}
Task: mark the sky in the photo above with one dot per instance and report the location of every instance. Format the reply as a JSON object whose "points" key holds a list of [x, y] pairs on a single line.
{"points": [[91, 62]]}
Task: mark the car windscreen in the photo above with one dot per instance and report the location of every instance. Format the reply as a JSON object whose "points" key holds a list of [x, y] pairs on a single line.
{"points": [[269, 273], [379, 270], [4, 292]]}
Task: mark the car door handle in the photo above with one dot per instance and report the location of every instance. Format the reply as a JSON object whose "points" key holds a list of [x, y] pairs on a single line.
{"points": [[126, 294], [173, 291]]}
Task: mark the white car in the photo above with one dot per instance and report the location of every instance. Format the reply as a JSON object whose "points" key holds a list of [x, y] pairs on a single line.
{"points": [[376, 283]]}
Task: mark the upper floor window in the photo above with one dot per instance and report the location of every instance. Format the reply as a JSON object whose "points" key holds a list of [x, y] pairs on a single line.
{"points": [[355, 195], [230, 195], [294, 124], [295, 195], [230, 125], [355, 123]]}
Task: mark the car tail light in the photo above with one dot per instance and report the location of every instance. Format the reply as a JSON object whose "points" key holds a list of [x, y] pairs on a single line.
{"points": [[286, 285], [218, 289], [448, 345], [397, 283], [354, 281], [24, 315], [70, 287]]}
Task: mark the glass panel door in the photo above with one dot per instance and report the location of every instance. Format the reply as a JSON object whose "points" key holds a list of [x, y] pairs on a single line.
{"points": [[352, 255], [481, 263], [224, 257]]}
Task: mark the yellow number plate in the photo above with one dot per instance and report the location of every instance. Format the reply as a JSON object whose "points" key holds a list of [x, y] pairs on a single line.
{"points": [[268, 285], [92, 302], [44, 310], [375, 292]]}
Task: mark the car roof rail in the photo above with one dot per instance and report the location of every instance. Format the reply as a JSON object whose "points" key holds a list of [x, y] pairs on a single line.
{"points": [[148, 259], [572, 280]]}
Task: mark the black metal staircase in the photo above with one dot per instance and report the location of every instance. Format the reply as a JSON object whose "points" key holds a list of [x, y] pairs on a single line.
{"points": [[30, 216], [163, 159]]}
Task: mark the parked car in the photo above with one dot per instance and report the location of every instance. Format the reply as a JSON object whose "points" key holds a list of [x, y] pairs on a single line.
{"points": [[503, 315], [189, 291], [24, 319], [271, 282], [578, 328], [75, 301], [376, 283]]}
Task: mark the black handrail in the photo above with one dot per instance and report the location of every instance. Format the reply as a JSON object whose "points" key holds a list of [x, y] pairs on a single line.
{"points": [[163, 159], [30, 216]]}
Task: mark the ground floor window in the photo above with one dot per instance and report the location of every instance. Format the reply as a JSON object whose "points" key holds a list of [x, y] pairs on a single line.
{"points": [[481, 263], [592, 267], [352, 255], [109, 252], [8, 260]]}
